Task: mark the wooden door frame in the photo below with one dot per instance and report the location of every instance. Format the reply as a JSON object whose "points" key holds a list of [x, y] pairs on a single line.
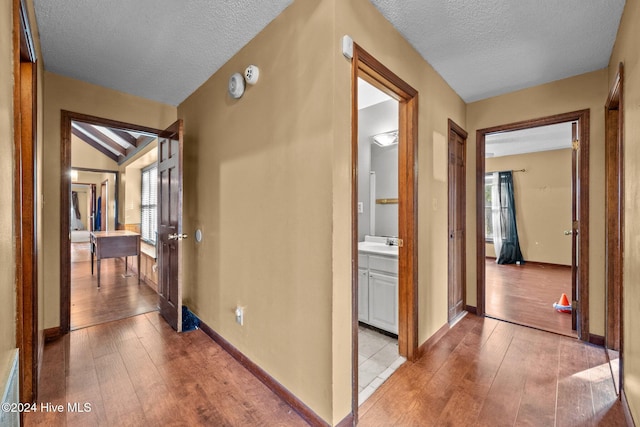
{"points": [[29, 340], [614, 209], [66, 117], [365, 66], [582, 117], [458, 130]]}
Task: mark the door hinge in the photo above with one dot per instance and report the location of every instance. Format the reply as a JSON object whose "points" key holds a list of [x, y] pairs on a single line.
{"points": [[575, 144], [574, 305]]}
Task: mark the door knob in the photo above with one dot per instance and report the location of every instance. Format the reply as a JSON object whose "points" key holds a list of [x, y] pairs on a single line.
{"points": [[176, 236]]}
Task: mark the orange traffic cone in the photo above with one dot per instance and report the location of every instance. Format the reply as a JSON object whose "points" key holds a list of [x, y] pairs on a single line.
{"points": [[563, 305], [564, 300]]}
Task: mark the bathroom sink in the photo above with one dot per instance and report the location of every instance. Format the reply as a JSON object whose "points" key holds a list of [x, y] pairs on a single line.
{"points": [[377, 248]]}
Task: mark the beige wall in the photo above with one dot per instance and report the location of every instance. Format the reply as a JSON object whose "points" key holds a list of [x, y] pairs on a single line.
{"points": [[83, 203], [543, 203], [85, 156], [626, 50], [62, 93], [586, 91], [131, 184], [7, 270], [267, 179]]}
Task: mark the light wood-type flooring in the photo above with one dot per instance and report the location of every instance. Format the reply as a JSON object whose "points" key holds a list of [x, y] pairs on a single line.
{"points": [[484, 372], [525, 294], [118, 296]]}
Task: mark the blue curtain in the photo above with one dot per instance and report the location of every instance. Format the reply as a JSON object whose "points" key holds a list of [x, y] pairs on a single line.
{"points": [[510, 249]]}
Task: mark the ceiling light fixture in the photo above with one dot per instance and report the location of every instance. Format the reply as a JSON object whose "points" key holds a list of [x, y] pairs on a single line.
{"points": [[386, 139]]}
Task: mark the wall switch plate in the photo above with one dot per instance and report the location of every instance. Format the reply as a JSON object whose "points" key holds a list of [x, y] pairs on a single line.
{"points": [[360, 207]]}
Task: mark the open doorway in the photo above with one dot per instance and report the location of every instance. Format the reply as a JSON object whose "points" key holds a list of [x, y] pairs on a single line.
{"points": [[384, 276], [533, 222], [106, 163], [378, 354]]}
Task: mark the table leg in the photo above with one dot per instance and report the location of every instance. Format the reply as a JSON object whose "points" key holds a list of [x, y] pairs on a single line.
{"points": [[126, 265], [92, 259], [98, 262], [138, 268]]}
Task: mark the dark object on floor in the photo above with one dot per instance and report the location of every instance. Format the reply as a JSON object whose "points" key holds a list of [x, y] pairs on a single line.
{"points": [[189, 320]]}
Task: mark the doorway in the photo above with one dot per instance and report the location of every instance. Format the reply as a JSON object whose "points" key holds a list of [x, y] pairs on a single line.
{"points": [[374, 271], [504, 284], [116, 143]]}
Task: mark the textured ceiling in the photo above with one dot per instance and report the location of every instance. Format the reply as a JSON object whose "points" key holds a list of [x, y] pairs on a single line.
{"points": [[165, 49], [157, 49], [541, 138], [490, 47]]}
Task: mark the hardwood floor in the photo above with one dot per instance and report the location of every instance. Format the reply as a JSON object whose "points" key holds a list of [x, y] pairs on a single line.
{"points": [[486, 372], [524, 294], [138, 371], [118, 297]]}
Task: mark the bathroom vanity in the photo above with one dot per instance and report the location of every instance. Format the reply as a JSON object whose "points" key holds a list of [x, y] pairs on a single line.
{"points": [[378, 283]]}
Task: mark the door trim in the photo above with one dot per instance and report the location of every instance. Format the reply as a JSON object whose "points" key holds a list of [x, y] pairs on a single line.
{"points": [[582, 117], [66, 117], [614, 208], [29, 338], [458, 130], [365, 66]]}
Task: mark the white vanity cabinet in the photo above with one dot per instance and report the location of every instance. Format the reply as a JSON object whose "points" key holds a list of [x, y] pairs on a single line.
{"points": [[378, 291]]}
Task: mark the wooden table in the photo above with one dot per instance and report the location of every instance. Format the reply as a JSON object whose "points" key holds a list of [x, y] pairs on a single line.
{"points": [[114, 244]]}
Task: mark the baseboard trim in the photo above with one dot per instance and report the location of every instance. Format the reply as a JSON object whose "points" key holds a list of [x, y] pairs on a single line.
{"points": [[52, 334], [347, 421], [296, 404], [625, 407], [471, 309], [596, 340], [432, 341]]}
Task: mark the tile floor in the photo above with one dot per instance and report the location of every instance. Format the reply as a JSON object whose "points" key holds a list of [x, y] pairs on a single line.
{"points": [[378, 358]]}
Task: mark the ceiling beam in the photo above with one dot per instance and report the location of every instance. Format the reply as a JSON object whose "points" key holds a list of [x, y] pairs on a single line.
{"points": [[126, 136], [94, 144], [104, 139]]}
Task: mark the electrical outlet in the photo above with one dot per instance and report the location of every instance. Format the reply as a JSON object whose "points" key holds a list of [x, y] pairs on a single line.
{"points": [[240, 315], [360, 207]]}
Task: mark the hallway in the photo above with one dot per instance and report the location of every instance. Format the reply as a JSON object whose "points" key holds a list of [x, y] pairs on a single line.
{"points": [[137, 371]]}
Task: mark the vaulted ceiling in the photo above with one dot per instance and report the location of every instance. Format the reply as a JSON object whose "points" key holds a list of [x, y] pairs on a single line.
{"points": [[165, 49], [117, 144]]}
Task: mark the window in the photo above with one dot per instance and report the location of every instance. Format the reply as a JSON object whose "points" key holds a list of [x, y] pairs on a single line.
{"points": [[488, 208], [148, 222]]}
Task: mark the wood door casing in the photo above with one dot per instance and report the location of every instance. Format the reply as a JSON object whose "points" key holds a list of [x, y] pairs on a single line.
{"points": [[614, 211], [575, 162], [582, 192], [457, 221], [170, 224], [365, 66], [29, 336], [66, 118]]}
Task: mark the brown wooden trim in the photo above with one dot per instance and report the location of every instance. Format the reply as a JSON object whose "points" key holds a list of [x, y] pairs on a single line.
{"points": [[66, 117], [614, 210], [582, 116], [365, 66], [52, 334], [25, 237], [596, 340], [625, 406], [281, 391], [432, 341], [471, 309], [347, 421]]}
